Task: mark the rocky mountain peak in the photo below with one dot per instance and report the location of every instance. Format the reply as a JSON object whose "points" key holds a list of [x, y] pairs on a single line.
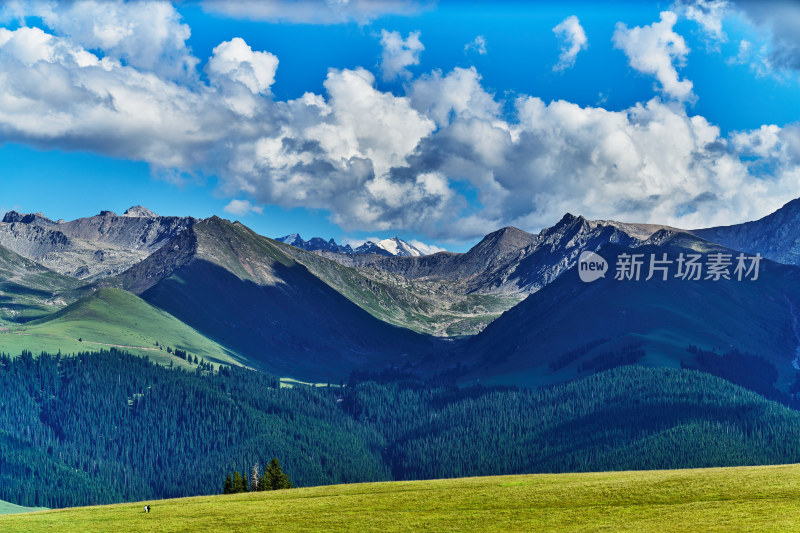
{"points": [[36, 219], [139, 212], [504, 240]]}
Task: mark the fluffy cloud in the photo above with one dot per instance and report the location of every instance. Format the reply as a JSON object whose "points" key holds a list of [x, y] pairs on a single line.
{"points": [[477, 45], [573, 39], [708, 14], [447, 159], [314, 11], [54, 93], [242, 207], [458, 94], [399, 53], [653, 50], [144, 34], [347, 154], [236, 61], [426, 249], [652, 162]]}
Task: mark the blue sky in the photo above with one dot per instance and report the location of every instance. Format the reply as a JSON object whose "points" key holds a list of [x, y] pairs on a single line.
{"points": [[437, 122]]}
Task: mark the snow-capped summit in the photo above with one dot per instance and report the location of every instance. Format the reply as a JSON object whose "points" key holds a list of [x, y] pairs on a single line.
{"points": [[394, 246], [294, 239], [386, 247]]}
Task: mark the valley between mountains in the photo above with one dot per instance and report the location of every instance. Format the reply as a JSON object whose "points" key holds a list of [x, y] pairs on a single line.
{"points": [[167, 337], [501, 312]]}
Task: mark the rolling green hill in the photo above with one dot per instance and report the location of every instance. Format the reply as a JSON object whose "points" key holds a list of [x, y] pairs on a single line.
{"points": [[114, 318], [721, 499], [10, 508]]}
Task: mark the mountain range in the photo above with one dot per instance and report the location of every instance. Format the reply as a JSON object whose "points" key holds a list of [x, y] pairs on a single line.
{"points": [[502, 312], [393, 247]]}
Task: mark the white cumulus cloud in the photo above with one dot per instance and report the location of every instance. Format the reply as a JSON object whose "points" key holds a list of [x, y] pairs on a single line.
{"points": [[573, 39], [399, 53], [708, 14], [444, 158], [426, 249], [235, 60], [144, 34], [656, 49], [242, 207]]}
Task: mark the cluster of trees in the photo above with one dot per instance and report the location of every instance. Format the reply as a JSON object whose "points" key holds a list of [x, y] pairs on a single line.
{"points": [[626, 355], [273, 478], [573, 355], [107, 427], [748, 370], [189, 358]]}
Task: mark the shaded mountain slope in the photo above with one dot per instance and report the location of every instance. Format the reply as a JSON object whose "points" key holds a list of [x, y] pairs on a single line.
{"points": [[776, 236], [246, 292], [571, 328], [29, 290], [415, 304]]}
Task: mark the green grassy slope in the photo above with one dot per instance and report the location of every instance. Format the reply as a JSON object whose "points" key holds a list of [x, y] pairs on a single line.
{"points": [[10, 508], [29, 291], [113, 317], [720, 499]]}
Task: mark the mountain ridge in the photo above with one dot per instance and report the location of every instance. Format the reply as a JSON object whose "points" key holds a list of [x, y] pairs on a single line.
{"points": [[391, 247], [775, 236], [91, 247]]}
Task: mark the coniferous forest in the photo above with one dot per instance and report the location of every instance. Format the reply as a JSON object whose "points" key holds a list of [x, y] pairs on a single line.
{"points": [[108, 427]]}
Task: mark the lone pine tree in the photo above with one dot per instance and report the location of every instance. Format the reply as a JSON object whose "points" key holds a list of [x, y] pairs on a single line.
{"points": [[276, 478]]}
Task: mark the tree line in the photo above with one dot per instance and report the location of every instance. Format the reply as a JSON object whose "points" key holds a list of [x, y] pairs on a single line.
{"points": [[273, 478]]}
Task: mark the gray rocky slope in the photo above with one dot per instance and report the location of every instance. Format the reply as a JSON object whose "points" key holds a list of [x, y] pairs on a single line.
{"points": [[509, 261], [91, 247], [776, 236]]}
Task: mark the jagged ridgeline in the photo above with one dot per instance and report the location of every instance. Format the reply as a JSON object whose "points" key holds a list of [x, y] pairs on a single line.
{"points": [[144, 431]]}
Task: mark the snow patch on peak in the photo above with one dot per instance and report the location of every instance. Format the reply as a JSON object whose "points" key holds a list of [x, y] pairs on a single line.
{"points": [[396, 246], [290, 239]]}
